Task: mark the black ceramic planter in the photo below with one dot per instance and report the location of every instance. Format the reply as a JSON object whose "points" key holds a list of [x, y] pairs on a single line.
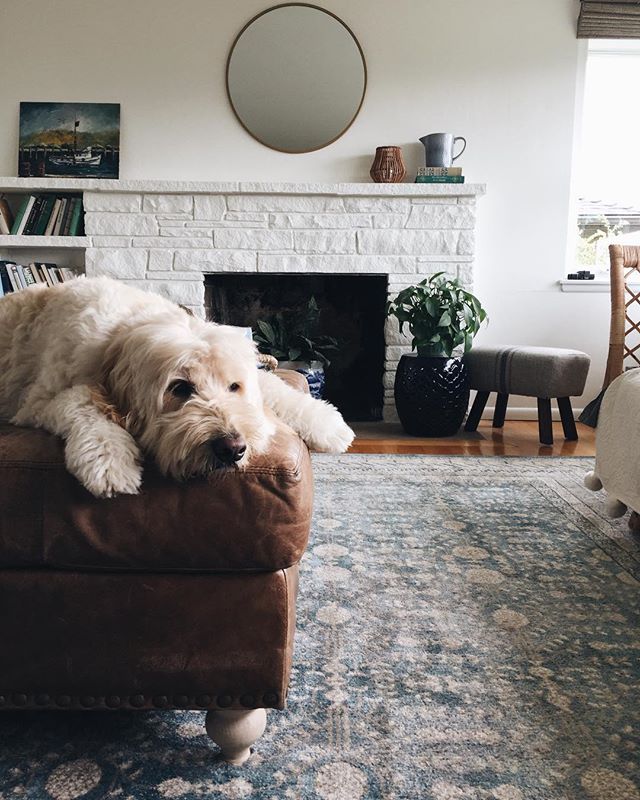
{"points": [[432, 394]]}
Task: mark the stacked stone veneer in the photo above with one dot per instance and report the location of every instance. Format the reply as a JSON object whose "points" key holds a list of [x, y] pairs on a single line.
{"points": [[167, 241]]}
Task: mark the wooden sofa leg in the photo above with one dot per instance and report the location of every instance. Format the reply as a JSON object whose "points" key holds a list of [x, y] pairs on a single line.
{"points": [[568, 422], [480, 401], [235, 731], [500, 411], [544, 420]]}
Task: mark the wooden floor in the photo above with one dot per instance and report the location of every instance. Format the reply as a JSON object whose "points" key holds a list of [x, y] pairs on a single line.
{"points": [[517, 438]]}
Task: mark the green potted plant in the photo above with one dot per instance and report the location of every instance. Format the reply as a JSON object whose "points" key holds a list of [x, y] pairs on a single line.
{"points": [[431, 386], [292, 337]]}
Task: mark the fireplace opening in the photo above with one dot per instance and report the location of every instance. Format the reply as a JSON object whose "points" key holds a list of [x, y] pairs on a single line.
{"points": [[351, 311]]}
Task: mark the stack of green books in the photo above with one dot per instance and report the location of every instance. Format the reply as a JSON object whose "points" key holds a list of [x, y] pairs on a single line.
{"points": [[49, 215], [440, 175]]}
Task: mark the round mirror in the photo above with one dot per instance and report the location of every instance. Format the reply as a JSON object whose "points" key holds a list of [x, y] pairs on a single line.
{"points": [[296, 77]]}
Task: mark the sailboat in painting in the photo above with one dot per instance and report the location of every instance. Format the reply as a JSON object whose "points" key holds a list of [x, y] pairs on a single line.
{"points": [[84, 157]]}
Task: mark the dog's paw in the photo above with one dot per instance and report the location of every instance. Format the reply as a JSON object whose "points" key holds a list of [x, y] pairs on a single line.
{"points": [[114, 480], [106, 467], [329, 433]]}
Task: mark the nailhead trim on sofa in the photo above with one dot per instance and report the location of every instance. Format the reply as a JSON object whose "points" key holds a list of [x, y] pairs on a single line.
{"points": [[18, 700]]}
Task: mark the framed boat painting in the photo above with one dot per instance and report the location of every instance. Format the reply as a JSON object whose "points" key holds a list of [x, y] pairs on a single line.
{"points": [[69, 140]]}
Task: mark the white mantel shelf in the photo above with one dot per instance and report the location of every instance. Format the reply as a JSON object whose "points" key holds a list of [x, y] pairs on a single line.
{"points": [[77, 242], [218, 187]]}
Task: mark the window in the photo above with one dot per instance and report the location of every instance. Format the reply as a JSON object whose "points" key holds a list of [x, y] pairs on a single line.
{"points": [[608, 179]]}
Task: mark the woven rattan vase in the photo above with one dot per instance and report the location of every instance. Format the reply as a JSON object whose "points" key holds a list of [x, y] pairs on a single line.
{"points": [[388, 166]]}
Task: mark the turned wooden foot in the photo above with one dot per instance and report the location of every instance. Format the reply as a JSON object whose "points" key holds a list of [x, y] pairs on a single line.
{"points": [[235, 731], [634, 522]]}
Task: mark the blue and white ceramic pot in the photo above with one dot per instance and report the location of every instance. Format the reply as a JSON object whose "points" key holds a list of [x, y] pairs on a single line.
{"points": [[313, 372]]}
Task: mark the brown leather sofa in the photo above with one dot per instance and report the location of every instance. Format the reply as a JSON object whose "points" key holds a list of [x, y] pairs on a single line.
{"points": [[180, 597]]}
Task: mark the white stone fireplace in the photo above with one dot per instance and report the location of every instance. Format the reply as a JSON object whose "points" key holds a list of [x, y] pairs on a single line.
{"points": [[167, 236]]}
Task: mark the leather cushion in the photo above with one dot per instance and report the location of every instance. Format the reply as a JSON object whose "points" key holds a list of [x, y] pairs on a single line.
{"points": [[106, 640], [255, 519]]}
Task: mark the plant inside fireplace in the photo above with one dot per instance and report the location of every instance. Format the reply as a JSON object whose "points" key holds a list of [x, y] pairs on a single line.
{"points": [[292, 337], [431, 388]]}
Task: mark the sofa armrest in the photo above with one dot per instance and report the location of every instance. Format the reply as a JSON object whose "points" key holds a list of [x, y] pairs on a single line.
{"points": [[294, 379]]}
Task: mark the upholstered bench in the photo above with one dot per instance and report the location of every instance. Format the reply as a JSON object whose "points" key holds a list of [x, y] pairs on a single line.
{"points": [[541, 372], [180, 597]]}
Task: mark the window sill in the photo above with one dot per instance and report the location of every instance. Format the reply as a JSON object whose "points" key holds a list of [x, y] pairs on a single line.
{"points": [[597, 285]]}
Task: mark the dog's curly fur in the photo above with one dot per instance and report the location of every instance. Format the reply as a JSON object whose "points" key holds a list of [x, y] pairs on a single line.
{"points": [[118, 372]]}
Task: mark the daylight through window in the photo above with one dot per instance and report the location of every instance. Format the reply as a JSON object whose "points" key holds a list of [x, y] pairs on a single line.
{"points": [[609, 161]]}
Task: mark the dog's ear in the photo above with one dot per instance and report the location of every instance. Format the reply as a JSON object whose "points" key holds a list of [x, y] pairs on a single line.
{"points": [[103, 402], [104, 394]]}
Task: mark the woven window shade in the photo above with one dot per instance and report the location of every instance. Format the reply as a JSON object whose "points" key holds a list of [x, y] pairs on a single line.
{"points": [[609, 19]]}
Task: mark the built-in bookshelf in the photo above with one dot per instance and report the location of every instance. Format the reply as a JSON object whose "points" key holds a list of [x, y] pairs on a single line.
{"points": [[65, 251]]}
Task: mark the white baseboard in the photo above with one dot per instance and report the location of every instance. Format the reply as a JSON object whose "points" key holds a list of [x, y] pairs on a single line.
{"points": [[529, 413]]}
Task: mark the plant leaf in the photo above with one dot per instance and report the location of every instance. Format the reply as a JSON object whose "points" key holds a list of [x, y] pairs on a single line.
{"points": [[431, 306], [267, 330]]}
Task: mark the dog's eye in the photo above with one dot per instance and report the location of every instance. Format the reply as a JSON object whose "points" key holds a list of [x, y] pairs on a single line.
{"points": [[181, 389], [234, 387]]}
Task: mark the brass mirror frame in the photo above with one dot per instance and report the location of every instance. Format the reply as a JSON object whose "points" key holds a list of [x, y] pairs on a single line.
{"points": [[364, 87]]}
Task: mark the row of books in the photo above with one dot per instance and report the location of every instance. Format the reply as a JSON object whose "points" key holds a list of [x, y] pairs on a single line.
{"points": [[440, 175], [43, 215], [14, 277]]}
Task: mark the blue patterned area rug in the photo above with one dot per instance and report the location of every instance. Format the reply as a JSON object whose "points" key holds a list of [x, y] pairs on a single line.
{"points": [[468, 630]]}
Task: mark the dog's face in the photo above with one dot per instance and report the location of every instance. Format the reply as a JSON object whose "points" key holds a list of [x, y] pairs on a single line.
{"points": [[188, 392]]}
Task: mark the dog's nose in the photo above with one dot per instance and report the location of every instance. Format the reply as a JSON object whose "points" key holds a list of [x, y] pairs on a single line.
{"points": [[229, 449]]}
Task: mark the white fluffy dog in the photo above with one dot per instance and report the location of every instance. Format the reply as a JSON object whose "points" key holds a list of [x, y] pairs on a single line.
{"points": [[118, 372]]}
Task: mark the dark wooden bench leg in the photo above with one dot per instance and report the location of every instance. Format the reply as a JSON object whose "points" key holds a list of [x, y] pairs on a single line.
{"points": [[500, 410], [544, 420], [568, 422], [477, 408]]}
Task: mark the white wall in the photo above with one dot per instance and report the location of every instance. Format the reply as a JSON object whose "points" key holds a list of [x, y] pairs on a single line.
{"points": [[503, 73]]}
